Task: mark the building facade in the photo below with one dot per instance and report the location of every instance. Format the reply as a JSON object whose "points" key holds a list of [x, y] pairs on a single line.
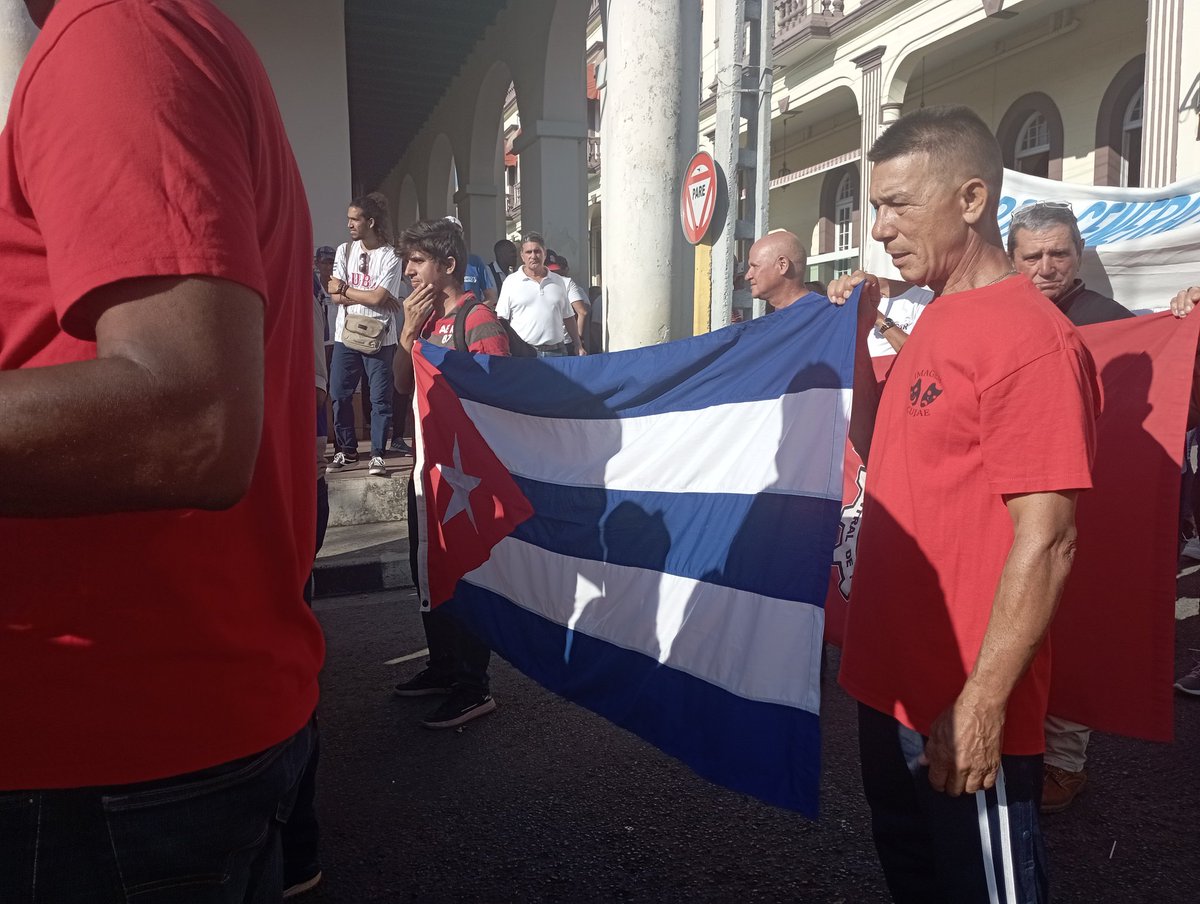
{"points": [[1095, 92]]}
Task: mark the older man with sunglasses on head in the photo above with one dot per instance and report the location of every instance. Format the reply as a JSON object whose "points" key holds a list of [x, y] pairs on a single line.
{"points": [[1045, 244]]}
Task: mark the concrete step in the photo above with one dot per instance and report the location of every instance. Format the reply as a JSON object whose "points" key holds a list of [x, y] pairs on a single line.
{"points": [[355, 497], [362, 558]]}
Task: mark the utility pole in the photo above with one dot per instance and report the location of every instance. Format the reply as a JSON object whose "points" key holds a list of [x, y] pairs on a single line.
{"points": [[648, 131], [744, 82]]}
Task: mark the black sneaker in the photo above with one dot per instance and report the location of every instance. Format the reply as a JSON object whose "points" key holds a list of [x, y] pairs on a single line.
{"points": [[400, 446], [423, 684], [462, 706]]}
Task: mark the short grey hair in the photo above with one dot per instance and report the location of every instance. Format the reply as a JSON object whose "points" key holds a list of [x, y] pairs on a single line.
{"points": [[535, 237], [1038, 218], [954, 138]]}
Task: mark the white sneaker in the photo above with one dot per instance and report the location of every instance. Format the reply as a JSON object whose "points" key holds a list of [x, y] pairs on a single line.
{"points": [[377, 468], [339, 462]]}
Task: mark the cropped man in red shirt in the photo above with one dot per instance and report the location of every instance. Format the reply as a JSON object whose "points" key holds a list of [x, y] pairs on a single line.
{"points": [[435, 257], [158, 664], [982, 437]]}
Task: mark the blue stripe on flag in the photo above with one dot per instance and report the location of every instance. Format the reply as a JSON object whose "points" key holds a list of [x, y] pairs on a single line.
{"points": [[805, 346], [765, 749], [713, 537]]}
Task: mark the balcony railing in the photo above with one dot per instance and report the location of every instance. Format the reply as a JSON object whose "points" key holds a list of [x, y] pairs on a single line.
{"points": [[593, 154], [795, 17], [512, 202]]}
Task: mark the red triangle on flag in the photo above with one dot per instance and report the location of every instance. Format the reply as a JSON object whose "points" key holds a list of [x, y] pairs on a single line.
{"points": [[470, 501]]}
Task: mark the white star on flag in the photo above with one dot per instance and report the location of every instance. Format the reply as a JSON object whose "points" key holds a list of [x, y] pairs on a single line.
{"points": [[462, 483]]}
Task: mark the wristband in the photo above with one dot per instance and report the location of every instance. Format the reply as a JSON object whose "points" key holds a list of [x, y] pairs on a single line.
{"points": [[888, 323]]}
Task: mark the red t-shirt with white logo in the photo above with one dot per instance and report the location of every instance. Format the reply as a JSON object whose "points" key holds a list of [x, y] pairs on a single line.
{"points": [[144, 140], [483, 332], [993, 394]]}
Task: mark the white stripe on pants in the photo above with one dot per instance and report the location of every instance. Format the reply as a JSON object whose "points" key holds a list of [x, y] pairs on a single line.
{"points": [[996, 863]]}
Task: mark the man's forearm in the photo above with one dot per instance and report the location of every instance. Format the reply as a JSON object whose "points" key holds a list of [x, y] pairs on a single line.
{"points": [[1027, 596], [866, 400], [402, 363], [896, 337], [572, 330], [106, 436], [380, 299]]}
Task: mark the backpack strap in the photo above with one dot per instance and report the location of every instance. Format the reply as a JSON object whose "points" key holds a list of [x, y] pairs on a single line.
{"points": [[460, 322]]}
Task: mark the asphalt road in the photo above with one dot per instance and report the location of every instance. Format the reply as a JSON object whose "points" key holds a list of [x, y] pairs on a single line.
{"points": [[543, 801]]}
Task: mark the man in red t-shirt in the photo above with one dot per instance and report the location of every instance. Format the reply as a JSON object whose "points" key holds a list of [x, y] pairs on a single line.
{"points": [[435, 258], [158, 665], [977, 448]]}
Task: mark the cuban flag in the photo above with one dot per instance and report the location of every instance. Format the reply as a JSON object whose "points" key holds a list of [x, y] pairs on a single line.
{"points": [[648, 533]]}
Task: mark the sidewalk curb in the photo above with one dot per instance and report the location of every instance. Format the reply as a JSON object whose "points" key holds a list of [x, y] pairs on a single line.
{"points": [[366, 574]]}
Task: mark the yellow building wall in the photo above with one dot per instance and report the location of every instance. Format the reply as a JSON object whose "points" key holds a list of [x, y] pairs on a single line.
{"points": [[1074, 69]]}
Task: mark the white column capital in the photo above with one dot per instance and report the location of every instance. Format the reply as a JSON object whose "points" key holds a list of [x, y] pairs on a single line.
{"points": [[466, 192], [870, 59], [549, 128]]}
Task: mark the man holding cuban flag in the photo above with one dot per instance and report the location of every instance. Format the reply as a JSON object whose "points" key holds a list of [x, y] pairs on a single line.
{"points": [[441, 313], [611, 525]]}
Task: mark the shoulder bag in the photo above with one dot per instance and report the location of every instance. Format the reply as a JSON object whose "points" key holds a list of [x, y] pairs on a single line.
{"points": [[361, 333]]}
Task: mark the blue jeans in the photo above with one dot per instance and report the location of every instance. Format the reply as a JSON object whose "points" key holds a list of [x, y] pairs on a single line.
{"points": [[932, 846], [208, 837], [301, 835], [345, 372]]}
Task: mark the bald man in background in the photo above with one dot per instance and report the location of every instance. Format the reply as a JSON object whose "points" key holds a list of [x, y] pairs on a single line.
{"points": [[775, 269]]}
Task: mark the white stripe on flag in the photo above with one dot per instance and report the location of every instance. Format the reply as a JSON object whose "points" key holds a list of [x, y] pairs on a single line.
{"points": [[791, 445], [421, 578], [751, 645]]}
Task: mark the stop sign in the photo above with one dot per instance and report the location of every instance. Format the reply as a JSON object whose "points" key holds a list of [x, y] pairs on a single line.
{"points": [[698, 199]]}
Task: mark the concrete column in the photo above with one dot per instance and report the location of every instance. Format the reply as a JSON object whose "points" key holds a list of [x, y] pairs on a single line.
{"points": [[870, 98], [1160, 103], [648, 133], [17, 32], [734, 95], [479, 208], [304, 53], [554, 186]]}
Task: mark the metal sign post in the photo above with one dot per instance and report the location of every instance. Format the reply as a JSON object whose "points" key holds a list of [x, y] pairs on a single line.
{"points": [[698, 202], [744, 81]]}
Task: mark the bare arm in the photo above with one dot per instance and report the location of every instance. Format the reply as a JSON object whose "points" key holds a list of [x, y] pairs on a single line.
{"points": [[379, 297], [168, 415], [489, 298], [573, 331], [895, 336], [866, 386], [581, 317], [963, 751], [417, 308], [840, 288]]}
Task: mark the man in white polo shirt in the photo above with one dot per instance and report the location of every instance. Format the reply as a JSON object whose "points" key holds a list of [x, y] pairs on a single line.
{"points": [[534, 302]]}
